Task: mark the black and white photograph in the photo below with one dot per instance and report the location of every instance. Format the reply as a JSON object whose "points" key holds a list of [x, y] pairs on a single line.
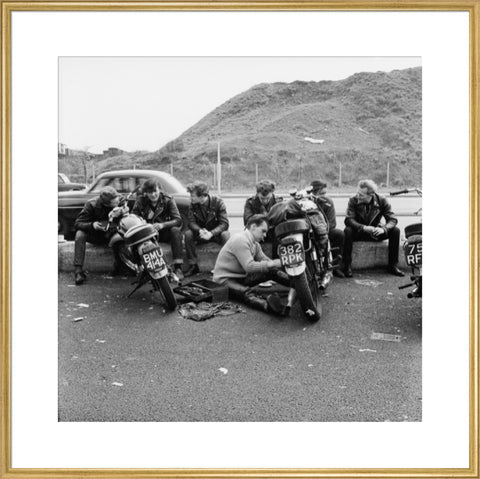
{"points": [[240, 239]]}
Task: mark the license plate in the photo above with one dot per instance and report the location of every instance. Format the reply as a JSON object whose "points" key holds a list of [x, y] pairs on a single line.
{"points": [[153, 260], [413, 254], [291, 254]]}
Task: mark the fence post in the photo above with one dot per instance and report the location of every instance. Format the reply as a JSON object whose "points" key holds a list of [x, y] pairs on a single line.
{"points": [[340, 174], [219, 168]]}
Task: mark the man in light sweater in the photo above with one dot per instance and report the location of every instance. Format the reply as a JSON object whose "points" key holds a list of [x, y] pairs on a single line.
{"points": [[241, 265]]}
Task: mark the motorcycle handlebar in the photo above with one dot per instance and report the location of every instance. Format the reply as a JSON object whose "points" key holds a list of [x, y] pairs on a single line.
{"points": [[400, 192]]}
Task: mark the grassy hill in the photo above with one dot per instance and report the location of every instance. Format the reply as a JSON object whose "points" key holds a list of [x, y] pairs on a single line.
{"points": [[293, 132]]}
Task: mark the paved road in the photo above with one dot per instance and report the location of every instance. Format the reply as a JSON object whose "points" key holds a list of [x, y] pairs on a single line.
{"points": [[129, 360]]}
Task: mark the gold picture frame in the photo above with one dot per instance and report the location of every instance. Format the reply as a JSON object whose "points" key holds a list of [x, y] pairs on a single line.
{"points": [[8, 7]]}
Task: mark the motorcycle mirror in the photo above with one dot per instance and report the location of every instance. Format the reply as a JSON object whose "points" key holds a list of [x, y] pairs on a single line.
{"points": [[292, 192]]}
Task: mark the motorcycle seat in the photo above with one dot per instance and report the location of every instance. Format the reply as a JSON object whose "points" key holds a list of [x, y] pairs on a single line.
{"points": [[138, 234], [414, 229], [291, 226]]}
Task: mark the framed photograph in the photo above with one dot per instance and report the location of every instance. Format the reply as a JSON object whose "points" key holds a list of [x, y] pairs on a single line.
{"points": [[133, 345]]}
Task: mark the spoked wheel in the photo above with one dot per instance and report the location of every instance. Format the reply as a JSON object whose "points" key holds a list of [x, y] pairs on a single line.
{"points": [[307, 294], [163, 286]]}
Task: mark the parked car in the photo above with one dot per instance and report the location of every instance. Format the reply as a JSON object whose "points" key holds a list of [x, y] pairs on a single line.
{"points": [[64, 184], [70, 203]]}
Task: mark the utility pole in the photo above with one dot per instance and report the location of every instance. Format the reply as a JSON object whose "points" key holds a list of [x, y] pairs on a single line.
{"points": [[219, 170], [340, 174], [388, 174], [214, 173]]}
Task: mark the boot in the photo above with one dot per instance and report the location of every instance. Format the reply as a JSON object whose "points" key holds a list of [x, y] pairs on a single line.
{"points": [[256, 302]]}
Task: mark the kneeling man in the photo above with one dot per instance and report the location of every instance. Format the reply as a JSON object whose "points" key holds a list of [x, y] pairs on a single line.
{"points": [[241, 265]]}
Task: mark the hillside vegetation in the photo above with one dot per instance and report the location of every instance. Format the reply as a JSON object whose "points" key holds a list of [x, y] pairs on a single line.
{"points": [[294, 132]]}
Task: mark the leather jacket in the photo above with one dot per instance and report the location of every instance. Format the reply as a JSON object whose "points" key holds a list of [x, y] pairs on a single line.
{"points": [[362, 214], [212, 215], [253, 206], [166, 210]]}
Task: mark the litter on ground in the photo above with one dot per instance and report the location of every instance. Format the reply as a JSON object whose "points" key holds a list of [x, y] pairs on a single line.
{"points": [[77, 319], [117, 384], [223, 370], [367, 350], [83, 305], [386, 337], [368, 282]]}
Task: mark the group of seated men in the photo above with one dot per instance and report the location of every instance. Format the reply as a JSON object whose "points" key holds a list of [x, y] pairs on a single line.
{"points": [[241, 256]]}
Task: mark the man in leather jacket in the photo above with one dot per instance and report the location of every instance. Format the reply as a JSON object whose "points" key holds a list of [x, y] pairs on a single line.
{"points": [[362, 223], [207, 221], [90, 227], [160, 210]]}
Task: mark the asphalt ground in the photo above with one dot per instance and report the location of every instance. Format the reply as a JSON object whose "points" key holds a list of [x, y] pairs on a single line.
{"points": [[128, 359]]}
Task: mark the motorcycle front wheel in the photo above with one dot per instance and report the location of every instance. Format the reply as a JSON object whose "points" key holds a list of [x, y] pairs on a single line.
{"points": [[308, 296], [164, 287]]}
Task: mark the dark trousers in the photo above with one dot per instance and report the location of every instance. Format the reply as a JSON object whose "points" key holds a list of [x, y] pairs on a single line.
{"points": [[192, 238], [174, 237], [96, 237], [337, 240], [241, 288], [351, 235]]}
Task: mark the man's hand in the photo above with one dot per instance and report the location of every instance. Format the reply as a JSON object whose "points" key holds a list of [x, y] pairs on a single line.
{"points": [[274, 263], [158, 226], [368, 229], [206, 235], [377, 231], [97, 226]]}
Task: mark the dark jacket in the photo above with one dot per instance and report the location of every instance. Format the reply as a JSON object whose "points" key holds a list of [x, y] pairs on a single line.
{"points": [[166, 211], [253, 206], [94, 210], [212, 216], [358, 215], [325, 204]]}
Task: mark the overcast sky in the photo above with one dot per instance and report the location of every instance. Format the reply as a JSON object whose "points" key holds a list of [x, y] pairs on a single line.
{"points": [[140, 103]]}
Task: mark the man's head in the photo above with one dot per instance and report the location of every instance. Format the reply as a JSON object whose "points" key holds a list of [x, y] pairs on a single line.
{"points": [[198, 192], [258, 226], [109, 197], [366, 190], [319, 187], [265, 189], [152, 189]]}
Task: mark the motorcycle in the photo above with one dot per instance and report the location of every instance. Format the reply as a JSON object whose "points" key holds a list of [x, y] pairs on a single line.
{"points": [[142, 253], [308, 267], [412, 248]]}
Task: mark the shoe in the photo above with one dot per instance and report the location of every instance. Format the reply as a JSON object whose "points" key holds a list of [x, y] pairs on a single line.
{"points": [[275, 304], [194, 269], [80, 278], [395, 271], [338, 273], [326, 280], [348, 272], [179, 272]]}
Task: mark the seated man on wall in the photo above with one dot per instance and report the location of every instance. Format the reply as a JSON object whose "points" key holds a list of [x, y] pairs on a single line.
{"points": [[362, 223], [160, 209], [207, 221], [261, 204], [90, 227], [241, 265], [335, 235]]}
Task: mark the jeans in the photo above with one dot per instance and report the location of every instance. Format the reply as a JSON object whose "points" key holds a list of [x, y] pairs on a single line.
{"points": [[351, 235], [192, 238], [97, 238], [174, 237], [241, 288], [337, 240]]}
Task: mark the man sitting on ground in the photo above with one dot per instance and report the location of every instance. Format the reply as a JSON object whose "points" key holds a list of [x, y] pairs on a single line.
{"points": [[160, 210], [207, 221], [362, 223], [241, 265], [91, 226]]}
